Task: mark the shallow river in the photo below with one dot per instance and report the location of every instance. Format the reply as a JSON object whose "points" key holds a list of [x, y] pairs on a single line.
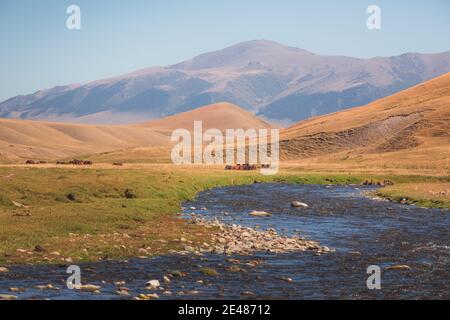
{"points": [[363, 232]]}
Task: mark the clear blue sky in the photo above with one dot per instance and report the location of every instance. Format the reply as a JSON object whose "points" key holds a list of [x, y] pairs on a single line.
{"points": [[38, 51]]}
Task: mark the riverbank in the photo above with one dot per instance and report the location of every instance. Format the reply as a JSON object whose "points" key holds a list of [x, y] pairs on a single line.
{"points": [[422, 194], [274, 256], [67, 215]]}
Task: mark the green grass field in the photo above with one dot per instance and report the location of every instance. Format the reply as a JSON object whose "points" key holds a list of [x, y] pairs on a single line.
{"points": [[88, 214]]}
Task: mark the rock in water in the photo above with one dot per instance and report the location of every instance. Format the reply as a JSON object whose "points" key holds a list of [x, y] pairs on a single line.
{"points": [[153, 285], [260, 214], [298, 204], [90, 288], [149, 296], [399, 267]]}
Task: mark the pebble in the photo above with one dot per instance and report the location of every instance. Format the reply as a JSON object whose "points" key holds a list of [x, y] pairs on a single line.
{"points": [[153, 285], [3, 269], [192, 292], [142, 251], [260, 214], [90, 288], [149, 296], [46, 287], [123, 292], [7, 297], [399, 267], [298, 204]]}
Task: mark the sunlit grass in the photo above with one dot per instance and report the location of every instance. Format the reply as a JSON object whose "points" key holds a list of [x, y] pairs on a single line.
{"points": [[84, 214]]}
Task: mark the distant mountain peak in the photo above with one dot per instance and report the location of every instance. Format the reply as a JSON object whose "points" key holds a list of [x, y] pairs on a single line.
{"points": [[273, 80], [241, 54]]}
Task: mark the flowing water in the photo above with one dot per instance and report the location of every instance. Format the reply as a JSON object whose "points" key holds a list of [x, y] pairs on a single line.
{"points": [[362, 231]]}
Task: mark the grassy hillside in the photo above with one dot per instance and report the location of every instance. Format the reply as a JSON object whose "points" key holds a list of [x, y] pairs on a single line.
{"points": [[410, 129]]}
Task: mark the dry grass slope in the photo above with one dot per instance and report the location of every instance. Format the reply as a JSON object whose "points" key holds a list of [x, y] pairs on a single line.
{"points": [[411, 128], [220, 116], [21, 139], [46, 140]]}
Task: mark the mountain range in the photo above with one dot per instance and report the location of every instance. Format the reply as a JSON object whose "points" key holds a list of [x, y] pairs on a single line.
{"points": [[276, 82], [411, 127]]}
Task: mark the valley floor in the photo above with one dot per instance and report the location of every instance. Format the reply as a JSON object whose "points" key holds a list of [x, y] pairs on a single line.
{"points": [[54, 214]]}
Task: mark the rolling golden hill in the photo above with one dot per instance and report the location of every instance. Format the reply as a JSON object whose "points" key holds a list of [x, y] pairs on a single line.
{"points": [[23, 139], [37, 140], [411, 127], [220, 116]]}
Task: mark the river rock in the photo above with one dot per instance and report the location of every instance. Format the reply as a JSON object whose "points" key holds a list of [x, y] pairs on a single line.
{"points": [[298, 204], [46, 287], [90, 288], [123, 292], [399, 267], [142, 251], [153, 285], [7, 297], [260, 214], [149, 296], [3, 269]]}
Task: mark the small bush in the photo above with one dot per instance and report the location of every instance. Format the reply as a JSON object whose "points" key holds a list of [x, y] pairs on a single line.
{"points": [[71, 196], [129, 194]]}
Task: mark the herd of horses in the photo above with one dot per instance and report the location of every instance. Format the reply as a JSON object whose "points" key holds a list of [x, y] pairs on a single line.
{"points": [[238, 167], [72, 162], [35, 162], [245, 167], [76, 162], [383, 183]]}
